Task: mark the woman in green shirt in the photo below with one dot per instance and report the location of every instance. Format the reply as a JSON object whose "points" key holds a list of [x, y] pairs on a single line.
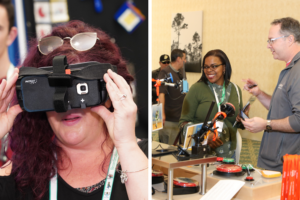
{"points": [[214, 85]]}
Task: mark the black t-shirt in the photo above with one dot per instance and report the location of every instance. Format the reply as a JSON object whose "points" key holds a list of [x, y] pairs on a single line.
{"points": [[8, 191], [173, 96]]}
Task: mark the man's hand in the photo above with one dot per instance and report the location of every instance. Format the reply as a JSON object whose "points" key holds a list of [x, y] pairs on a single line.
{"points": [[251, 86], [255, 124]]}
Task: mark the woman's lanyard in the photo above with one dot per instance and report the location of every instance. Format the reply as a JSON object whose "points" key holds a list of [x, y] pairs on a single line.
{"points": [[216, 96], [108, 182]]}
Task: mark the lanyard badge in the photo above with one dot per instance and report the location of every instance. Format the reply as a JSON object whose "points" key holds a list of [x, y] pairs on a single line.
{"points": [[216, 96]]}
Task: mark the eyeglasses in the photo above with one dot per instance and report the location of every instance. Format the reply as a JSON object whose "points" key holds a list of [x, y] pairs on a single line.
{"points": [[80, 42], [270, 41], [167, 62], [212, 67]]}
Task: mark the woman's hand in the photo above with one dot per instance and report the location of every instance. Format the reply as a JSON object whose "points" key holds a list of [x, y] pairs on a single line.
{"points": [[246, 112], [7, 117], [215, 144], [251, 86], [121, 122]]}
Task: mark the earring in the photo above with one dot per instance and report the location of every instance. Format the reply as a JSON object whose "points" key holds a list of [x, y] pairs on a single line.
{"points": [[223, 72]]}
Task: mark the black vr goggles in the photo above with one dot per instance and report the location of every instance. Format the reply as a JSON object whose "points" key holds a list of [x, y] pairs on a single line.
{"points": [[62, 87]]}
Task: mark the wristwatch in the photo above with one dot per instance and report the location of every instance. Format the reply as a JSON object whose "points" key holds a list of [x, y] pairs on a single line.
{"points": [[268, 127]]}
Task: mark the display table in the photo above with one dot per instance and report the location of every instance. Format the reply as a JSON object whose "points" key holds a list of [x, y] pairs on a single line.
{"points": [[259, 189], [170, 162]]}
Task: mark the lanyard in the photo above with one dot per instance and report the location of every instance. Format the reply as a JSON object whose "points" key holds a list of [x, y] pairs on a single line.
{"points": [[222, 98], [108, 182]]}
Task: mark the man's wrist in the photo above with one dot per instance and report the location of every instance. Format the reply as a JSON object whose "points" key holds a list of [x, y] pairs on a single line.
{"points": [[259, 93], [268, 126]]}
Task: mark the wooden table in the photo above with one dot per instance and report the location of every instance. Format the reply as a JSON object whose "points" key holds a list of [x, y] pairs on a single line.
{"points": [[170, 162], [260, 189]]}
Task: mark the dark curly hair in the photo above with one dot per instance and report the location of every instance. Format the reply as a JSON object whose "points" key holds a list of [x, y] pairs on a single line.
{"points": [[32, 139]]}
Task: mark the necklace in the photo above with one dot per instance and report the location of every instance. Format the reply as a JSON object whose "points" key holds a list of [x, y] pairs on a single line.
{"points": [[108, 182]]}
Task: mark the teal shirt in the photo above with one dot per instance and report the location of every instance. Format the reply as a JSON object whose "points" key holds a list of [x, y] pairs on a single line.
{"points": [[196, 105]]}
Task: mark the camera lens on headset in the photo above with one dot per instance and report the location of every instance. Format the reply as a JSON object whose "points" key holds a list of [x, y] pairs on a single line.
{"points": [[82, 88]]}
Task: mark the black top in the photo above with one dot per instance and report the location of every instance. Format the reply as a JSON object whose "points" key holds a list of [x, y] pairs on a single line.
{"points": [[173, 97], [8, 191]]}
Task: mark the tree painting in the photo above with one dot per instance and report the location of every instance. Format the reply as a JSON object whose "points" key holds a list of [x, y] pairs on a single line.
{"points": [[194, 49], [186, 34], [178, 25]]}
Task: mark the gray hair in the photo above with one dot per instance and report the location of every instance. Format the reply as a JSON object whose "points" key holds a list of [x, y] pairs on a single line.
{"points": [[289, 26]]}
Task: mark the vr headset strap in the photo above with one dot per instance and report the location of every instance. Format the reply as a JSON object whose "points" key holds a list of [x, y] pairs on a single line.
{"points": [[61, 82], [93, 71]]}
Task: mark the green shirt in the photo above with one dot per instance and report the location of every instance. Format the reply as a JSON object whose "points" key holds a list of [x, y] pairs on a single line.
{"points": [[196, 105]]}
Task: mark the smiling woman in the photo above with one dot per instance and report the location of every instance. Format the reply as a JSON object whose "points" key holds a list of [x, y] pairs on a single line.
{"points": [[214, 85], [71, 151]]}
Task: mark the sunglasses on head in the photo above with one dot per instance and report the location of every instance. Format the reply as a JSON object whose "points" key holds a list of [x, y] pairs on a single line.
{"points": [[80, 42]]}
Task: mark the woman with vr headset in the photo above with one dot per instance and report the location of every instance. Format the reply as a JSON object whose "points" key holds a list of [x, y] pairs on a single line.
{"points": [[69, 155]]}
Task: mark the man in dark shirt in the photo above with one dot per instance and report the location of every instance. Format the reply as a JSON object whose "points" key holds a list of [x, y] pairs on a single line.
{"points": [[164, 61], [171, 98]]}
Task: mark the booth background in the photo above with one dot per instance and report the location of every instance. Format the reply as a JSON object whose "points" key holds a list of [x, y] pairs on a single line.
{"points": [[240, 29]]}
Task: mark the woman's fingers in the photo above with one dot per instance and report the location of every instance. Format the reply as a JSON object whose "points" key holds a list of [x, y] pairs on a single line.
{"points": [[121, 122], [114, 92], [2, 87], [211, 144], [7, 90], [215, 144], [13, 112], [238, 118], [9, 84], [247, 110], [6, 101], [218, 143], [120, 82], [7, 116]]}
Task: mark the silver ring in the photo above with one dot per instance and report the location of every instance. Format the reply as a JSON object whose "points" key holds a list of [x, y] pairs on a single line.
{"points": [[122, 97]]}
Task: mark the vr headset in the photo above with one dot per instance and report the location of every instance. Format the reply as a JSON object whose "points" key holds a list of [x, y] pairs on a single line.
{"points": [[62, 87]]}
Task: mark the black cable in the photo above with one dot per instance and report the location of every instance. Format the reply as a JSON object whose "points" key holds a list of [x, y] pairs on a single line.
{"points": [[157, 147]]}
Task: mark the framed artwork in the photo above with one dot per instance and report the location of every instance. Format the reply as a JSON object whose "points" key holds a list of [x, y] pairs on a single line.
{"points": [[187, 35], [157, 122]]}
